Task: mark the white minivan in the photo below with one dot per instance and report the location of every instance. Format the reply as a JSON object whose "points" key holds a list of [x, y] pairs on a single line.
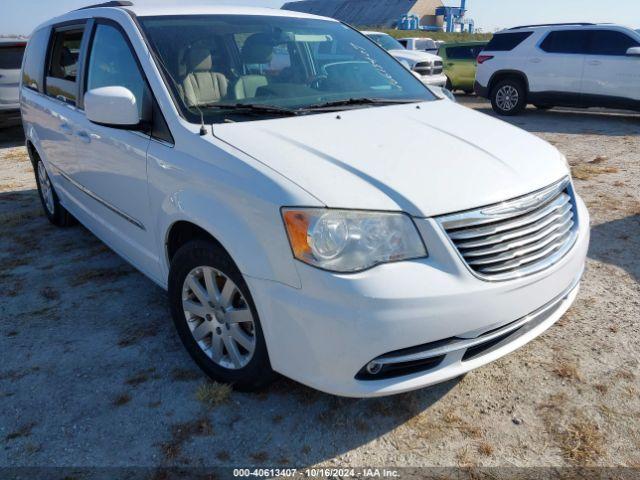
{"points": [[310, 206]]}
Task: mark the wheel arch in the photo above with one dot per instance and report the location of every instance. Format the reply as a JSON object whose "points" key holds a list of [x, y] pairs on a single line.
{"points": [[255, 249], [183, 231], [504, 74]]}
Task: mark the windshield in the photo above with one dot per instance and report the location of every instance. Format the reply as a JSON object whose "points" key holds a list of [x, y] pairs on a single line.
{"points": [[213, 61], [386, 41], [426, 44]]}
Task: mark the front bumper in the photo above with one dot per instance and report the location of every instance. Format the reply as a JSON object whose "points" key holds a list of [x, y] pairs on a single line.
{"points": [[434, 80], [323, 334]]}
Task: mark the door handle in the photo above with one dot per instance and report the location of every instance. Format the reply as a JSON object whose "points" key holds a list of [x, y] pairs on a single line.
{"points": [[66, 128], [595, 62], [535, 60], [84, 136]]}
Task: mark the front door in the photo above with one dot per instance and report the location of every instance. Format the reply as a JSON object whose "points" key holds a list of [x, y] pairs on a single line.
{"points": [[609, 72], [112, 162]]}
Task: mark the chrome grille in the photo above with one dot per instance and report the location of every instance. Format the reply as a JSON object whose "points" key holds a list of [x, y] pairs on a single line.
{"points": [[517, 237], [424, 68]]}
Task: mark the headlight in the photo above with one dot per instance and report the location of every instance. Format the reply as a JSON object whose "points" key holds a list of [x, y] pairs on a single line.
{"points": [[351, 241]]}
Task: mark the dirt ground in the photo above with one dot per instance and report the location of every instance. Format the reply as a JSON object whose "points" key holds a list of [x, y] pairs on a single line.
{"points": [[93, 374]]}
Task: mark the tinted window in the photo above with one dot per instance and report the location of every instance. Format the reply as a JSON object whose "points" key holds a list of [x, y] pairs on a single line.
{"points": [[462, 53], [609, 42], [11, 57], [566, 41], [34, 60], [112, 64], [426, 44], [65, 54], [504, 42], [63, 64], [404, 43]]}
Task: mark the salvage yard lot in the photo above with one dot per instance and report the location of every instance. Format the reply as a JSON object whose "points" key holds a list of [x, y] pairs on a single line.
{"points": [[93, 374]]}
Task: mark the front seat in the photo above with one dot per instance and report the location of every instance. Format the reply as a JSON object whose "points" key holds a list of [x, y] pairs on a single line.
{"points": [[257, 50], [202, 85]]}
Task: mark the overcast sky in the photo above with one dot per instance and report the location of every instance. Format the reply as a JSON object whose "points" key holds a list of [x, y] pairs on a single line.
{"points": [[21, 16]]}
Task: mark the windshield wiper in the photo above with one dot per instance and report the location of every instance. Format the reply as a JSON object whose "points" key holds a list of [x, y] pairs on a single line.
{"points": [[251, 107], [358, 101]]}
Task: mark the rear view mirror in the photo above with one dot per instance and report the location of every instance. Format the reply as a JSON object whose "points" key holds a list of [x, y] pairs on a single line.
{"points": [[112, 107], [634, 52]]}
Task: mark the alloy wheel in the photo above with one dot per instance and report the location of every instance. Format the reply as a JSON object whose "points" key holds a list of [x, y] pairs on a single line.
{"points": [[507, 98], [45, 188], [219, 317]]}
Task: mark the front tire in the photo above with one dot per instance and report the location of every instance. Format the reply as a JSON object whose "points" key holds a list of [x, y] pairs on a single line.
{"points": [[449, 85], [216, 318], [53, 209], [508, 97]]}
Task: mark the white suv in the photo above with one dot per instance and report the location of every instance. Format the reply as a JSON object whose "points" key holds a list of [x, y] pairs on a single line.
{"points": [[310, 206], [576, 65], [11, 52]]}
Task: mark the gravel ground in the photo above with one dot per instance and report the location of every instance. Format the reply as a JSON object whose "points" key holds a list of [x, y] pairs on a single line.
{"points": [[93, 374]]}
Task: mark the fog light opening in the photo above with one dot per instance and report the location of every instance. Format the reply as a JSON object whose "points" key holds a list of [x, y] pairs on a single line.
{"points": [[374, 368]]}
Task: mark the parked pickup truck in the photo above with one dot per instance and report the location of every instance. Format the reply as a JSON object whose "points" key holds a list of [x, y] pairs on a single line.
{"points": [[427, 65]]}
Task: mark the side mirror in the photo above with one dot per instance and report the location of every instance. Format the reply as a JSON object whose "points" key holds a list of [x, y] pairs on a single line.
{"points": [[112, 107], [634, 52], [443, 93]]}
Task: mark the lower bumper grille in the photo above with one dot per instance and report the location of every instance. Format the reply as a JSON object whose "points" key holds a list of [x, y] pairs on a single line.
{"points": [[517, 237], [423, 358]]}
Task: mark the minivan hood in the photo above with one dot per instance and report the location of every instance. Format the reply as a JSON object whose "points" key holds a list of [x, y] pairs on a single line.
{"points": [[436, 159]]}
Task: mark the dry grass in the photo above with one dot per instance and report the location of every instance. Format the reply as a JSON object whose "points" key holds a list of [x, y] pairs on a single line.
{"points": [[223, 456], [567, 371], [213, 394], [184, 375], [121, 400], [486, 449], [582, 442], [22, 432], [586, 171], [601, 388], [18, 154], [137, 379], [50, 293], [133, 336], [101, 275], [182, 433], [9, 221], [260, 457]]}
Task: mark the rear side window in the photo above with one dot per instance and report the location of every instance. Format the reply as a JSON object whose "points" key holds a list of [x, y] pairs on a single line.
{"points": [[610, 42], [505, 42], [462, 53], [34, 60], [11, 57], [566, 41], [63, 64]]}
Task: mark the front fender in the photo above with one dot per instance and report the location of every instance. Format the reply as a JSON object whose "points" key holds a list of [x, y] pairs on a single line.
{"points": [[236, 200]]}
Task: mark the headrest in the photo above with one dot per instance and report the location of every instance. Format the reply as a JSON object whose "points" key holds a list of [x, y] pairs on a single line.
{"points": [[258, 48], [199, 60]]}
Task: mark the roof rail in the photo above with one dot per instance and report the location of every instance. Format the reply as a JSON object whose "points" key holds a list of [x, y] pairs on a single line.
{"points": [[115, 3], [580, 24]]}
